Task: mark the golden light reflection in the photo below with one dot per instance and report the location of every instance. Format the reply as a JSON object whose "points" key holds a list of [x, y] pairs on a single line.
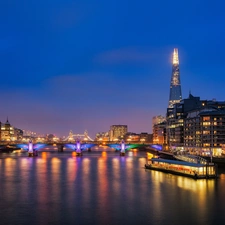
{"points": [[55, 175], [9, 171], [42, 180], [130, 153], [74, 154], [25, 175], [129, 160], [103, 186], [71, 174], [104, 154], [55, 160], [86, 160], [44, 155], [86, 191], [202, 188], [141, 161], [115, 161]]}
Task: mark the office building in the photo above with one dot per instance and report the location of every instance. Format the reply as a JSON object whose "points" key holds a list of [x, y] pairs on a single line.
{"points": [[175, 84], [117, 132]]}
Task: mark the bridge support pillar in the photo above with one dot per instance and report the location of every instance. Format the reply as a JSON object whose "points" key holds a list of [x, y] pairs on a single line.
{"points": [[60, 148], [31, 151], [79, 153], [122, 153], [33, 154], [30, 154], [123, 147]]}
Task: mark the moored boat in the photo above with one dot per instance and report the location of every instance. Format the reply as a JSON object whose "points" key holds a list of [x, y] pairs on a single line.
{"points": [[194, 170]]}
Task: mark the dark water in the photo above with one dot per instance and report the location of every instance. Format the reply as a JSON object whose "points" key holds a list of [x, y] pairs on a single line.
{"points": [[103, 188]]}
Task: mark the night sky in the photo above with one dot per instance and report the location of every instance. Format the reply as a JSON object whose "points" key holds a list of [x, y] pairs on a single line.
{"points": [[88, 64]]}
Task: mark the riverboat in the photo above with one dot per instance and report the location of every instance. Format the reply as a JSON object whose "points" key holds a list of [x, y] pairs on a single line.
{"points": [[194, 170]]}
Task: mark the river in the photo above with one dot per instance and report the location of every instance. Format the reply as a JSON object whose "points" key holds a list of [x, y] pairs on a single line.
{"points": [[103, 188]]}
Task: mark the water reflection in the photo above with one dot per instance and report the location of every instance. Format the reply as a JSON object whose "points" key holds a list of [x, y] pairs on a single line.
{"points": [[103, 188]]}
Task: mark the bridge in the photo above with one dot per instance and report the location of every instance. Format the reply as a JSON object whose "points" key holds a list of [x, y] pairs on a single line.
{"points": [[79, 146], [73, 137]]}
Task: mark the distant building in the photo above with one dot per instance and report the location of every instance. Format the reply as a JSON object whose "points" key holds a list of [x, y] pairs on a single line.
{"points": [[7, 132], [102, 136], [131, 137], [117, 131], [145, 137], [159, 129], [159, 133], [142, 137], [18, 133], [158, 119]]}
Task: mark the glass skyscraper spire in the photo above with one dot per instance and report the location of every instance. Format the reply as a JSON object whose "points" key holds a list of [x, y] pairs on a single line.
{"points": [[175, 86]]}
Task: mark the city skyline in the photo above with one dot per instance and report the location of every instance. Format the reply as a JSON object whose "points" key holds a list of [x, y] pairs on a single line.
{"points": [[85, 66]]}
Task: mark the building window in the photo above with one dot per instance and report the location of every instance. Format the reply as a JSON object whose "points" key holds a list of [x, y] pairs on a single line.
{"points": [[206, 118]]}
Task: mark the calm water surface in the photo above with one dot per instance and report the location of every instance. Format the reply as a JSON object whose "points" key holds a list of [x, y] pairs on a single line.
{"points": [[103, 188]]}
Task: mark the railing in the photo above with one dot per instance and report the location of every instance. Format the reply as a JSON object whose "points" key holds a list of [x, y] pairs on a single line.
{"points": [[191, 158]]}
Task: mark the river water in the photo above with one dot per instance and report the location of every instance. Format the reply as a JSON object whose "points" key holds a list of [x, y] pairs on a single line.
{"points": [[103, 188]]}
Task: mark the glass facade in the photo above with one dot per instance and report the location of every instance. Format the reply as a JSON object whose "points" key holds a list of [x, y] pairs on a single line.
{"points": [[175, 84]]}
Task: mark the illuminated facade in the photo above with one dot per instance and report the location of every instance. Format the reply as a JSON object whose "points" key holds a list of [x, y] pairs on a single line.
{"points": [[197, 126], [102, 136], [10, 133], [117, 131], [159, 133], [159, 129], [143, 137], [175, 121], [158, 119], [204, 131], [175, 85], [7, 132]]}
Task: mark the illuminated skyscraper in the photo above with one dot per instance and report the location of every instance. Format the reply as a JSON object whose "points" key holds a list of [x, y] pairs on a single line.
{"points": [[175, 86]]}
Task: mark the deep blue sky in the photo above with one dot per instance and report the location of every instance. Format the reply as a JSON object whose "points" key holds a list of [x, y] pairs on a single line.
{"points": [[88, 64]]}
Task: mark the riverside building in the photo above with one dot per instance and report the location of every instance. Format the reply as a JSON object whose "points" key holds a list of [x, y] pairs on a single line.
{"points": [[204, 132], [9, 133], [197, 126], [175, 121], [159, 129]]}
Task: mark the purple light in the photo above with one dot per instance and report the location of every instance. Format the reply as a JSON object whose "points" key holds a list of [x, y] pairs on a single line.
{"points": [[123, 146], [78, 149], [30, 147]]}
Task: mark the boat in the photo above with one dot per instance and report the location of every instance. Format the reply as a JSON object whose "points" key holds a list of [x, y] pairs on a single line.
{"points": [[189, 169]]}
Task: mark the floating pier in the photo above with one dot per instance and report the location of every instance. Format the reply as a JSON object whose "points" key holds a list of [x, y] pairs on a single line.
{"points": [[194, 170]]}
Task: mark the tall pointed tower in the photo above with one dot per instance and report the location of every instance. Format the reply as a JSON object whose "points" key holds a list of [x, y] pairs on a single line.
{"points": [[175, 86]]}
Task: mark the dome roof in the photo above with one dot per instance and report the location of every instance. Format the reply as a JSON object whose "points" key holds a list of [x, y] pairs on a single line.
{"points": [[7, 122]]}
